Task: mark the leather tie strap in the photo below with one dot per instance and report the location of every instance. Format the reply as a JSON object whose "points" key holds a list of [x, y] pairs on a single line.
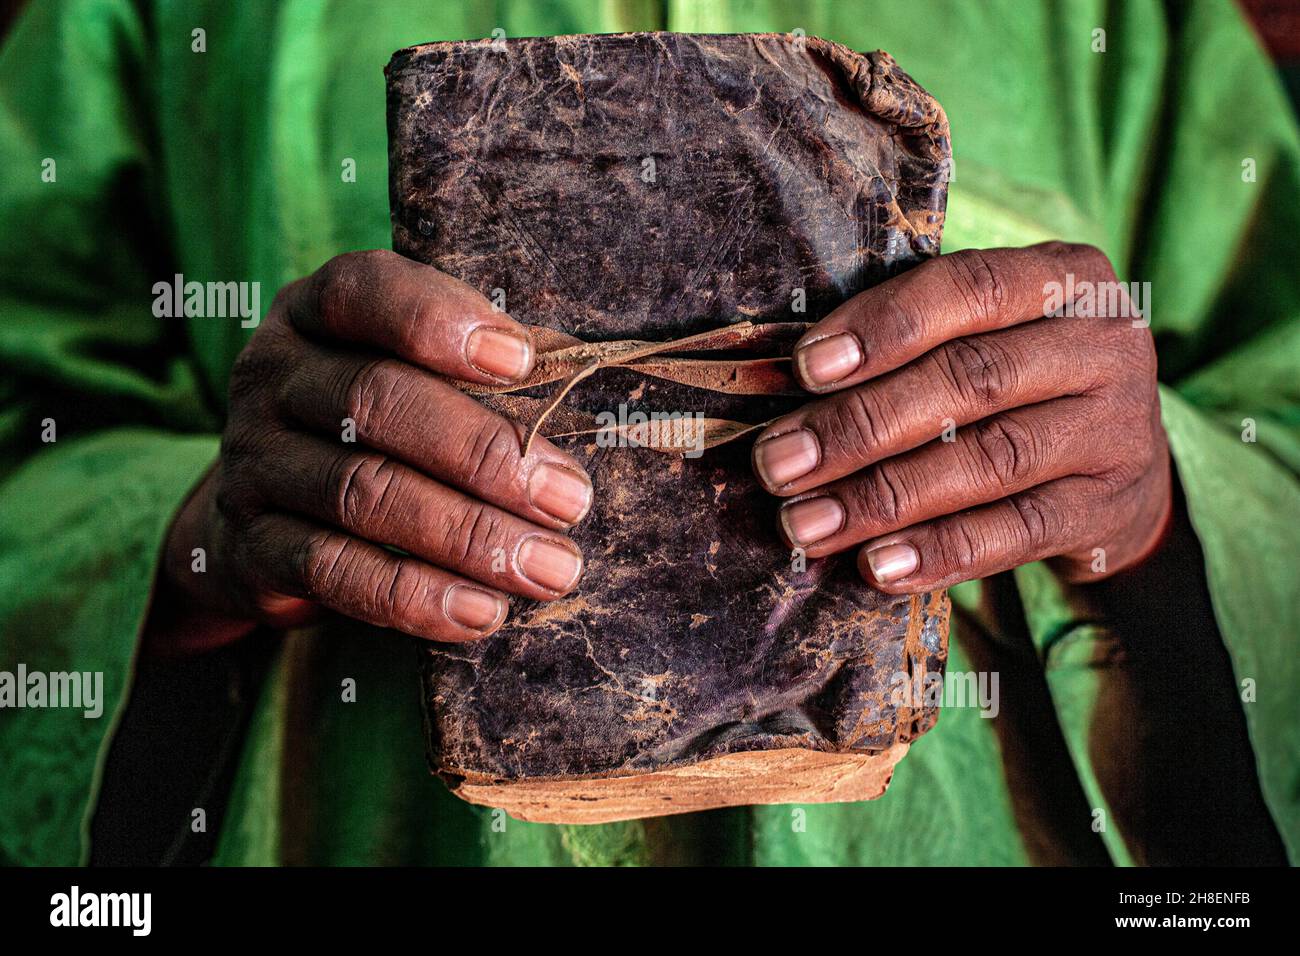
{"points": [[568, 360]]}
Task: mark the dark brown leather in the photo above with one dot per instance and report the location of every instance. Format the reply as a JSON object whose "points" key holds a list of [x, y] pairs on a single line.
{"points": [[779, 163]]}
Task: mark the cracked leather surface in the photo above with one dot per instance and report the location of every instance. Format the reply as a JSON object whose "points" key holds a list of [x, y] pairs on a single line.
{"points": [[777, 165]]}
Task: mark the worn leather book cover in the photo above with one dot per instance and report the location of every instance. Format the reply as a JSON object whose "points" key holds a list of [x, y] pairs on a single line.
{"points": [[668, 212]]}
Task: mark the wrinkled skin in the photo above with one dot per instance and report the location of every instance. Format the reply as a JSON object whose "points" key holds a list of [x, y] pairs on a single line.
{"points": [[1054, 446], [293, 516], [1057, 450]]}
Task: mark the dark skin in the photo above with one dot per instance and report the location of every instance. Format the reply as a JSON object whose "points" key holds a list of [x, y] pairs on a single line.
{"points": [[294, 518], [1058, 450]]}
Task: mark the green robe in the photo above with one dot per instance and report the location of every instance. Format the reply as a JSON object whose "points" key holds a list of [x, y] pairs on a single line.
{"points": [[1136, 725]]}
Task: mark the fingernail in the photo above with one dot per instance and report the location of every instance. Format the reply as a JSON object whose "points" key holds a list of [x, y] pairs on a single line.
{"points": [[549, 564], [830, 359], [563, 493], [809, 521], [892, 561], [499, 353], [470, 607], [782, 459]]}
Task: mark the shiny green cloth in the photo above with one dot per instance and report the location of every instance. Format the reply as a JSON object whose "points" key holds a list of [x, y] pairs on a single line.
{"points": [[226, 165]]}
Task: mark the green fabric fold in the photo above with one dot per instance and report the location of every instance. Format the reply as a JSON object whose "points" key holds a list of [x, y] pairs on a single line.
{"points": [[1236, 494], [80, 537]]}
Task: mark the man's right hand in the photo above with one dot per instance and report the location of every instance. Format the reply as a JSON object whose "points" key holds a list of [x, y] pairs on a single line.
{"points": [[294, 517]]}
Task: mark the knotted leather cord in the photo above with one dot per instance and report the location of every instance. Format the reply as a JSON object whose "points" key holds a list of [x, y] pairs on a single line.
{"points": [[568, 360]]}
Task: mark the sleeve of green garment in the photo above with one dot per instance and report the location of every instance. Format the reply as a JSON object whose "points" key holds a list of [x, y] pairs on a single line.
{"points": [[1214, 236], [103, 426]]}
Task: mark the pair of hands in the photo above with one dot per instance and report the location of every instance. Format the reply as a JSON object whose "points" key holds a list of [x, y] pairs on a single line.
{"points": [[353, 477]]}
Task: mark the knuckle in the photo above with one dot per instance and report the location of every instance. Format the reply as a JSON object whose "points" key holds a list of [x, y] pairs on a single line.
{"points": [[427, 313], [249, 372], [320, 562], [980, 372], [284, 302], [246, 445], [372, 259], [1122, 473], [857, 424], [400, 592], [882, 497], [334, 286], [1113, 335], [958, 549], [1124, 361], [903, 321], [371, 397], [293, 384], [1147, 347], [1035, 521], [980, 282], [245, 369], [1005, 449], [469, 532], [1120, 440], [1093, 260], [1131, 453], [491, 450], [365, 489], [1106, 357], [1140, 347], [1082, 258], [283, 295]]}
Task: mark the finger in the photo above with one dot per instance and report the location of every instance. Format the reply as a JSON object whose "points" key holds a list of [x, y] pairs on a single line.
{"points": [[407, 413], [1043, 522], [986, 461], [365, 582], [387, 301], [971, 291], [959, 382], [383, 501]]}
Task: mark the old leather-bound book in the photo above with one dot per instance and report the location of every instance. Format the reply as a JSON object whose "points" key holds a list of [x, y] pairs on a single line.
{"points": [[668, 212]]}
